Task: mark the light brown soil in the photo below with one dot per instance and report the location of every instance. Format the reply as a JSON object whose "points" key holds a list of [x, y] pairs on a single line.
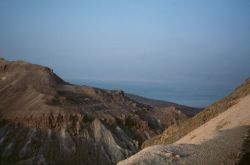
{"points": [[219, 141]]}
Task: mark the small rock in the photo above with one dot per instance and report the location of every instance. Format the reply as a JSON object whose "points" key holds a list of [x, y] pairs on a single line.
{"points": [[168, 154], [134, 104], [177, 156], [238, 154]]}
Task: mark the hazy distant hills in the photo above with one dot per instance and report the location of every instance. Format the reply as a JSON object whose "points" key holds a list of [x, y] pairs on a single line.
{"points": [[45, 120], [189, 111]]}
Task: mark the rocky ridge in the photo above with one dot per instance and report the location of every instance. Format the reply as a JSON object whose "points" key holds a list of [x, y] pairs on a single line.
{"points": [[45, 120]]}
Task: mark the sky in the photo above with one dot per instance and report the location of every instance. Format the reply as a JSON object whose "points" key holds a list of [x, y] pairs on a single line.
{"points": [[188, 43]]}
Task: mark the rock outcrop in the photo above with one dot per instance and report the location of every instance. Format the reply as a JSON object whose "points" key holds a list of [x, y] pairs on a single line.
{"points": [[45, 120]]}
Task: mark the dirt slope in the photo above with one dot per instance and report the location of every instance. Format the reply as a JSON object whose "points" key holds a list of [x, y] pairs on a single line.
{"points": [[218, 141], [236, 116], [177, 131]]}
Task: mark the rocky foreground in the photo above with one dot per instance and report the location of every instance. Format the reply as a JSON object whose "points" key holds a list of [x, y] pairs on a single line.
{"points": [[45, 120]]}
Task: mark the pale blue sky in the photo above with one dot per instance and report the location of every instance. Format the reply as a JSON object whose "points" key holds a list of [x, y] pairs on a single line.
{"points": [[158, 41]]}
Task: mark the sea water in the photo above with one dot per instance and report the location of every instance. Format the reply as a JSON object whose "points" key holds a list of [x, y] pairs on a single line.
{"points": [[186, 94]]}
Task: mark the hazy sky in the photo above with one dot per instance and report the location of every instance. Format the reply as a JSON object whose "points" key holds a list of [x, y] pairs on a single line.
{"points": [[166, 41]]}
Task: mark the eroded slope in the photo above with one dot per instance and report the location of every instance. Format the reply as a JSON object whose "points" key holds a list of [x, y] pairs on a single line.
{"points": [[218, 141], [46, 120]]}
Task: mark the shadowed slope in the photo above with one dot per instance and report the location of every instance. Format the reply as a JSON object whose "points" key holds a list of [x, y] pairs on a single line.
{"points": [[44, 119]]}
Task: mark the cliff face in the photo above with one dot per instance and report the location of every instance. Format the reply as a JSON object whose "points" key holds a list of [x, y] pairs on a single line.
{"points": [[44, 120]]}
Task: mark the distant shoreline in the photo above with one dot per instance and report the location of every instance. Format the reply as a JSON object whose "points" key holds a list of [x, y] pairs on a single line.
{"points": [[192, 96]]}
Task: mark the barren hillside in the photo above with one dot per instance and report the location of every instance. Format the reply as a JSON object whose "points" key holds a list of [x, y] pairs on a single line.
{"points": [[220, 140], [44, 120], [177, 131]]}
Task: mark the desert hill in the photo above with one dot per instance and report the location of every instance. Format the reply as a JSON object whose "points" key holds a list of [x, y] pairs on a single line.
{"points": [[45, 120]]}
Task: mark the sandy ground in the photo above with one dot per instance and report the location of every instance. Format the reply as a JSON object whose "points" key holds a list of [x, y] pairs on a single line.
{"points": [[219, 141], [236, 116]]}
